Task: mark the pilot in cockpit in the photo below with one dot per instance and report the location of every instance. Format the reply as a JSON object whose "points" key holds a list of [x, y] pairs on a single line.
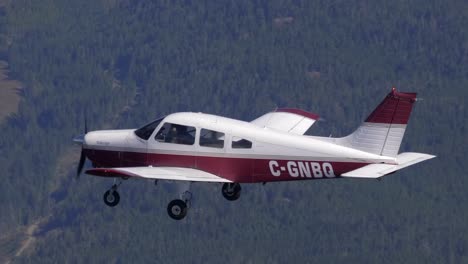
{"points": [[178, 134], [171, 136]]}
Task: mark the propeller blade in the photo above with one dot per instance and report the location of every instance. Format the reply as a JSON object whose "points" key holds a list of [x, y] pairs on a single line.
{"points": [[80, 164], [80, 139], [85, 126]]}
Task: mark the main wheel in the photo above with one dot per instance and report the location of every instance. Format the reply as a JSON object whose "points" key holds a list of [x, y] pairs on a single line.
{"points": [[177, 209], [111, 198], [231, 191]]}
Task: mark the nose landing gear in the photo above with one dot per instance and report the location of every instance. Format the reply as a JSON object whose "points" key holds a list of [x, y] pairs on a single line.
{"points": [[112, 197]]}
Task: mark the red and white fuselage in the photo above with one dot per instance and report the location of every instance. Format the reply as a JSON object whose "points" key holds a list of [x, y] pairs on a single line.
{"points": [[275, 151], [197, 147]]}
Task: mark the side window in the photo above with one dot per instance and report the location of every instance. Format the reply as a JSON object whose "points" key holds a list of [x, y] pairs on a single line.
{"points": [[240, 143], [212, 139], [177, 134]]}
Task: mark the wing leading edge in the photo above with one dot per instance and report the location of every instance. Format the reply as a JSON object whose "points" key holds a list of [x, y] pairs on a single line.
{"points": [[159, 173]]}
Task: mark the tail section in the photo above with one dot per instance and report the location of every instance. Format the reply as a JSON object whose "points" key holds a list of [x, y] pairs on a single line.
{"points": [[382, 132]]}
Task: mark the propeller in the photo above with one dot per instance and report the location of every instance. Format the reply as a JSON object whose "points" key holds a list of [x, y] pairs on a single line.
{"points": [[80, 139]]}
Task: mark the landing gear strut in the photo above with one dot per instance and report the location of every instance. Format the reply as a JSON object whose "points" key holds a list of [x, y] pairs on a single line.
{"points": [[231, 191]]}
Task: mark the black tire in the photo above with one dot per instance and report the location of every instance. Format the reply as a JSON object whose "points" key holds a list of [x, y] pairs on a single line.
{"points": [[231, 195], [111, 198], [177, 209]]}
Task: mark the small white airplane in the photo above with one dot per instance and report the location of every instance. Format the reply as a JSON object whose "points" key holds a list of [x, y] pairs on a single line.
{"points": [[197, 147]]}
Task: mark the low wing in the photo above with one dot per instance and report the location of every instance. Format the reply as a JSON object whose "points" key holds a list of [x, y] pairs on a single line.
{"points": [[378, 170], [289, 120], [160, 173]]}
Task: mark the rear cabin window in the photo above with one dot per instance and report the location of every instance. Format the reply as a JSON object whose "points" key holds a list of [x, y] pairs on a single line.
{"points": [[176, 134], [240, 143], [211, 139]]}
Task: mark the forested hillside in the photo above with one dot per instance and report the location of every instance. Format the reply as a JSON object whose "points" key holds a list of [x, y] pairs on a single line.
{"points": [[122, 63]]}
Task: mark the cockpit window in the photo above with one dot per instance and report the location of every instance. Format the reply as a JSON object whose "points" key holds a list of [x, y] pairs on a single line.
{"points": [[146, 131], [240, 143], [177, 134], [212, 139]]}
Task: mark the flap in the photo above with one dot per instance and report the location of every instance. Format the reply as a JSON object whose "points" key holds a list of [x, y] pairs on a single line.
{"points": [[289, 120], [378, 170], [160, 173]]}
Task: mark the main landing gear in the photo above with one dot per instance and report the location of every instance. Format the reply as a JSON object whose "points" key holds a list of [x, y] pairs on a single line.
{"points": [[231, 191], [177, 209]]}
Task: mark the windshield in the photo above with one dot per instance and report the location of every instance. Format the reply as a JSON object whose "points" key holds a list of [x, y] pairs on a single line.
{"points": [[146, 131]]}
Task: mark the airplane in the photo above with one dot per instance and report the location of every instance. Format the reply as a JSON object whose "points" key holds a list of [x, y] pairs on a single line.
{"points": [[199, 147]]}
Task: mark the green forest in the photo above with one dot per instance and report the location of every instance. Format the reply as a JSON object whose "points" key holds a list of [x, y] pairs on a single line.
{"points": [[122, 63]]}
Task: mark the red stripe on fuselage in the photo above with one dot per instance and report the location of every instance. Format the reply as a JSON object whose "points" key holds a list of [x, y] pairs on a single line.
{"points": [[243, 170]]}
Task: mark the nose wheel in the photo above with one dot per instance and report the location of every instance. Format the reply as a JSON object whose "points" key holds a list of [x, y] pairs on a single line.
{"points": [[112, 197]]}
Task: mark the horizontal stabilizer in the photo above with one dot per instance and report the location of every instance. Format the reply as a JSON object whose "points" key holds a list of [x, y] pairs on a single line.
{"points": [[378, 170], [158, 173]]}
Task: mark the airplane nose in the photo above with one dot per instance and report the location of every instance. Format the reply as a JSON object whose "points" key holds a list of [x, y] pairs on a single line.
{"points": [[86, 139], [91, 138], [106, 138]]}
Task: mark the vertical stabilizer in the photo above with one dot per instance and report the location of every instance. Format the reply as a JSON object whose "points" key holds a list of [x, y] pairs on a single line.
{"points": [[382, 132]]}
